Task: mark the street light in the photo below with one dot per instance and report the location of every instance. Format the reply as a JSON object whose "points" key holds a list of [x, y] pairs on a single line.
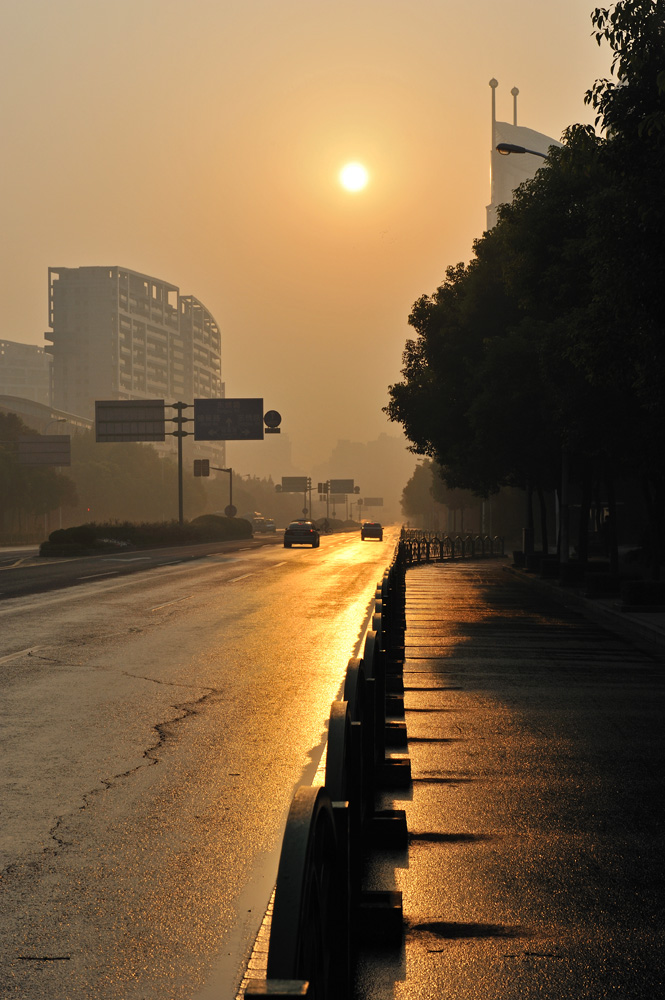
{"points": [[508, 147]]}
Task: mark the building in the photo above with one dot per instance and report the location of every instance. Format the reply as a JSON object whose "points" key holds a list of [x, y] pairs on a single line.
{"points": [[508, 172], [25, 372], [118, 334]]}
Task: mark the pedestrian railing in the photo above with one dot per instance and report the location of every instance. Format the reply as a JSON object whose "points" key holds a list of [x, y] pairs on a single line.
{"points": [[429, 546], [320, 907]]}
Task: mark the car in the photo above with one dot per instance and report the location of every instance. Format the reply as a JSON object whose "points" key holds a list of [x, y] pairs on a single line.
{"points": [[301, 533], [371, 529]]}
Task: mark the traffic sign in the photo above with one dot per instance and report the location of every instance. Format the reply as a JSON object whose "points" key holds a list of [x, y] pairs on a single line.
{"points": [[374, 501], [341, 485], [230, 510], [228, 419], [294, 484], [44, 449], [129, 420], [272, 419]]}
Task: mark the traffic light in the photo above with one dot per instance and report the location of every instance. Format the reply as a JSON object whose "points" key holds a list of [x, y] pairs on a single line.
{"points": [[323, 487], [201, 467]]}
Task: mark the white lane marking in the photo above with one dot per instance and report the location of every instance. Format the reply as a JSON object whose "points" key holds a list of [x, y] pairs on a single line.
{"points": [[127, 559], [95, 576], [169, 603], [20, 652], [243, 577], [275, 565]]}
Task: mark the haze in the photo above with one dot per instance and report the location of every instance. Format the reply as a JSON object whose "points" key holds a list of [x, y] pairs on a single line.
{"points": [[201, 142]]}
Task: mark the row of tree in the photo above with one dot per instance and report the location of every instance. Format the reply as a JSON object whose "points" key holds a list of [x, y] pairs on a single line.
{"points": [[546, 352]]}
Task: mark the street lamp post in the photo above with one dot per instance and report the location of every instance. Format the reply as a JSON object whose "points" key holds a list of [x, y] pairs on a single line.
{"points": [[505, 148]]}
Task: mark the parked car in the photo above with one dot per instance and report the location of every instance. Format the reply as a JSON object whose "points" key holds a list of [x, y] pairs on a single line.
{"points": [[301, 533], [371, 529]]}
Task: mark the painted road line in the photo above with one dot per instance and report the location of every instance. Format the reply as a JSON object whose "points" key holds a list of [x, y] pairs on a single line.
{"points": [[95, 576], [169, 603], [243, 577], [20, 652]]}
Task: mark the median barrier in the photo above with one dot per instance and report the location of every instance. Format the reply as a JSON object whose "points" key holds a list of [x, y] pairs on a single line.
{"points": [[320, 905]]}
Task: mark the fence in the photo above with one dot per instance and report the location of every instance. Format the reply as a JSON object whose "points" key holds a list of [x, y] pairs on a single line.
{"points": [[320, 906], [428, 546]]}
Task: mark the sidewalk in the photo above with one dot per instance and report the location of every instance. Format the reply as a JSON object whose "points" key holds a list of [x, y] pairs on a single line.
{"points": [[535, 817]]}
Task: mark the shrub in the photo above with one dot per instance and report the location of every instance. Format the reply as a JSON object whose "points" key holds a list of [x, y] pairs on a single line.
{"points": [[89, 539]]}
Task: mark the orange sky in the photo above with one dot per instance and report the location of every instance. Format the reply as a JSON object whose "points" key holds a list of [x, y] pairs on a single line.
{"points": [[200, 141]]}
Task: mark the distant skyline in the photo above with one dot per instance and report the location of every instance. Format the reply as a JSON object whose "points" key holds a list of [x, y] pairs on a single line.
{"points": [[202, 143]]}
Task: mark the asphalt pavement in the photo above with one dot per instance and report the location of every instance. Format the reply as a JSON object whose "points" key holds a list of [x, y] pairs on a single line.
{"points": [[535, 817]]}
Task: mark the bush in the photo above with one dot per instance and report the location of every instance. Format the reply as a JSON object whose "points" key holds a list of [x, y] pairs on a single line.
{"points": [[90, 539]]}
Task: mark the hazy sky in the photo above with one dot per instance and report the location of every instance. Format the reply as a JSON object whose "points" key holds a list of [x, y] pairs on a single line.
{"points": [[200, 141]]}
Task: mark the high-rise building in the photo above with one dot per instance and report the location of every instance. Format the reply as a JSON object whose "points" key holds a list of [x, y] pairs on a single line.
{"points": [[508, 172], [25, 371], [118, 334]]}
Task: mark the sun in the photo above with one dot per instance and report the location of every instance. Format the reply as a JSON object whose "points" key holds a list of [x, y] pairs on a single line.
{"points": [[353, 177]]}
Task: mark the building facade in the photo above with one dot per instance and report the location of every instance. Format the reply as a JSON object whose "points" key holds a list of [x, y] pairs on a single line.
{"points": [[25, 371], [118, 334]]}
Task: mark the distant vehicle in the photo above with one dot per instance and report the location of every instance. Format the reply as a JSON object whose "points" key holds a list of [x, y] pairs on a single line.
{"points": [[371, 529], [269, 525], [301, 533]]}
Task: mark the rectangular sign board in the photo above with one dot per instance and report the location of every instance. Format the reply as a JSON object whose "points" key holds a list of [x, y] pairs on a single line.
{"points": [[294, 484], [341, 485], [338, 497], [47, 449], [129, 420], [228, 419], [373, 501]]}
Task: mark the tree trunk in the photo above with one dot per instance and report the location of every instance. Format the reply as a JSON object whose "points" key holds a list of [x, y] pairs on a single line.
{"points": [[612, 534], [543, 519], [583, 527]]}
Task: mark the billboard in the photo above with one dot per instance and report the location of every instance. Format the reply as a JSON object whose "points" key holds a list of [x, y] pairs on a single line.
{"points": [[228, 419], [129, 420], [45, 449]]}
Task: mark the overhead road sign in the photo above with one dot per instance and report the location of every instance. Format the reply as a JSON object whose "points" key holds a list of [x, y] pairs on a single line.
{"points": [[295, 484], [341, 486], [44, 449], [129, 420], [228, 419], [373, 501], [337, 497]]}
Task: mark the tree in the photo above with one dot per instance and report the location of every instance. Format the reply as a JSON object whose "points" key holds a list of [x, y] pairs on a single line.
{"points": [[26, 492]]}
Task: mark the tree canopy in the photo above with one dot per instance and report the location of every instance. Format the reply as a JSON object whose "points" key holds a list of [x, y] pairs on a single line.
{"points": [[551, 339]]}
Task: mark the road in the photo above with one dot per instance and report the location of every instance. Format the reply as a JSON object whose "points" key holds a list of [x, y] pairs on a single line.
{"points": [[156, 726]]}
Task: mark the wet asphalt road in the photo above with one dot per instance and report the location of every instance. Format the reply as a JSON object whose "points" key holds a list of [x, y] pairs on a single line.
{"points": [[155, 727], [536, 818]]}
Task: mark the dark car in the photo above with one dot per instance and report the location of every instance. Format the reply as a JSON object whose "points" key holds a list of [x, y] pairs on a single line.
{"points": [[371, 529], [301, 533]]}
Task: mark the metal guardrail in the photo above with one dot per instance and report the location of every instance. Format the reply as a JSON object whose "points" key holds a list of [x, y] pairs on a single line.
{"points": [[429, 546], [320, 907]]}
